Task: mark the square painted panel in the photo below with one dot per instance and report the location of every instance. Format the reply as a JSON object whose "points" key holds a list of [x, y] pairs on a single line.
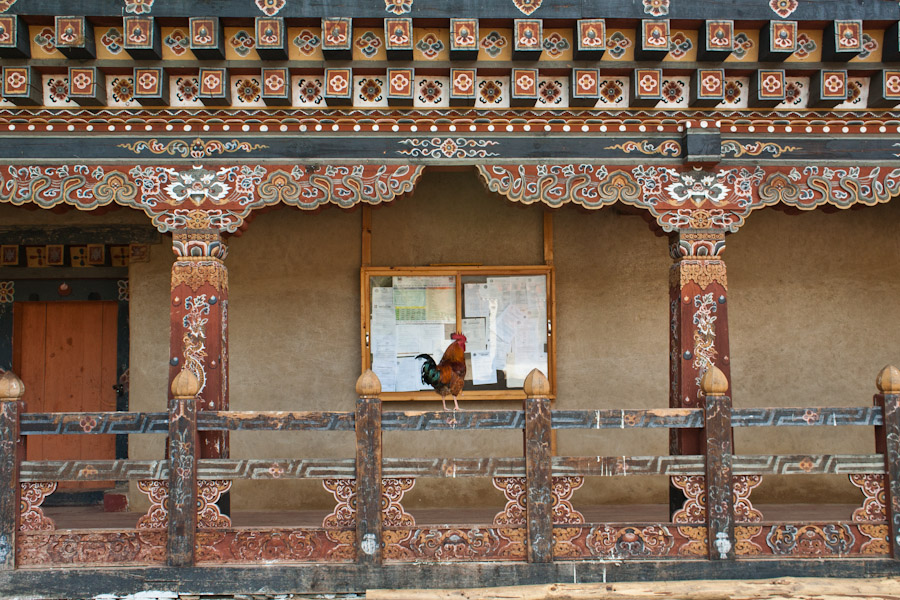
{"points": [[586, 83], [401, 84], [528, 35], [276, 84], [524, 83], [14, 42], [647, 88], [398, 34], [337, 34], [462, 82], [140, 33], [771, 85], [149, 83], [464, 35], [205, 33], [833, 85], [590, 37], [338, 83]]}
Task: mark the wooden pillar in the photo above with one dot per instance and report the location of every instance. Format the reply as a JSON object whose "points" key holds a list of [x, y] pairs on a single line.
{"points": [[199, 324], [182, 506], [12, 450], [719, 458], [887, 442], [369, 544], [698, 329], [538, 469]]}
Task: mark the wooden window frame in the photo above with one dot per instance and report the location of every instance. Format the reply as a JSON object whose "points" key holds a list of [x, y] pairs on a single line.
{"points": [[458, 272]]}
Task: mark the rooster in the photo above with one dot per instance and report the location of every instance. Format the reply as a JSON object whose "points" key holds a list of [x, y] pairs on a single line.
{"points": [[448, 376]]}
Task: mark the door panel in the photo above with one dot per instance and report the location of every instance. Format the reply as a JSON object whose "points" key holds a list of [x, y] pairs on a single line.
{"points": [[65, 353]]}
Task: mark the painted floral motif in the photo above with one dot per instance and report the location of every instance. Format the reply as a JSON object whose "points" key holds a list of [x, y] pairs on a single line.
{"points": [[493, 43], [679, 45], [187, 88], [742, 45], [447, 148], [555, 44], [672, 92], [611, 91], [733, 92], [617, 43], [122, 89], [463, 82], [656, 8], [368, 43], [307, 42], [805, 46], [112, 40], [247, 90], [869, 46], [810, 540], [138, 7], [431, 91], [7, 292], [270, 7], [5, 6], [704, 319], [310, 91], [491, 92], [591, 37], [834, 83], [792, 93], [336, 35], [399, 36], [177, 41], [370, 89], [629, 541], [783, 8], [854, 92], [15, 80], [46, 39], [398, 7], [550, 92], [59, 89], [430, 45], [527, 7], [242, 42]]}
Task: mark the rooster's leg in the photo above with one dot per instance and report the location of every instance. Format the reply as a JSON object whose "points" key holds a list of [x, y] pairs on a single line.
{"points": [[455, 404], [444, 401]]}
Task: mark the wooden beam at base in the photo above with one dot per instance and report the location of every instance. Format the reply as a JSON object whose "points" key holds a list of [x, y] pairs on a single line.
{"points": [[788, 588], [350, 578]]}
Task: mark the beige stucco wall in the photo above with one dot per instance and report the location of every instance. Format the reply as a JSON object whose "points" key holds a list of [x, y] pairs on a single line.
{"points": [[812, 311]]}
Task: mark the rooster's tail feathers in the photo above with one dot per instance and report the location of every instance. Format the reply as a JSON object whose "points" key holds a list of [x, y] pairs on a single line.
{"points": [[430, 373]]}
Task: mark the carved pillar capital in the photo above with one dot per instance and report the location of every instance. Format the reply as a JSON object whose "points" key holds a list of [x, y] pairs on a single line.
{"points": [[696, 243], [199, 244]]}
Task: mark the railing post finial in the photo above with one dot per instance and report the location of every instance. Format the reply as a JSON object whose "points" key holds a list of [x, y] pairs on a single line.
{"points": [[11, 387], [537, 385], [714, 382], [888, 380], [368, 385], [186, 384]]}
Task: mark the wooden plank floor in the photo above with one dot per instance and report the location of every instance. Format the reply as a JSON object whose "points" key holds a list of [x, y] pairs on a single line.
{"points": [[93, 517]]}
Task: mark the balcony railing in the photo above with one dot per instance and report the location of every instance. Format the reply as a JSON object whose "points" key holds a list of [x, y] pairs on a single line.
{"points": [[370, 527]]}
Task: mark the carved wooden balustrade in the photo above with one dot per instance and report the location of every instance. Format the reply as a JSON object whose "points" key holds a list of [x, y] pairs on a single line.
{"points": [[370, 528]]}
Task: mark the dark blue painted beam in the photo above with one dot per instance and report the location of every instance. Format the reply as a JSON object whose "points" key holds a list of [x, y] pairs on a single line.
{"points": [[498, 9]]}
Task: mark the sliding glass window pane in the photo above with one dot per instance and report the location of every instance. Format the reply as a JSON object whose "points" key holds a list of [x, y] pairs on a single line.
{"points": [[505, 320], [410, 316]]}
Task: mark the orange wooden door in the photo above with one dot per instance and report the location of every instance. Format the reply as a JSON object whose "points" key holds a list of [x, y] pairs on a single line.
{"points": [[65, 353]]}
